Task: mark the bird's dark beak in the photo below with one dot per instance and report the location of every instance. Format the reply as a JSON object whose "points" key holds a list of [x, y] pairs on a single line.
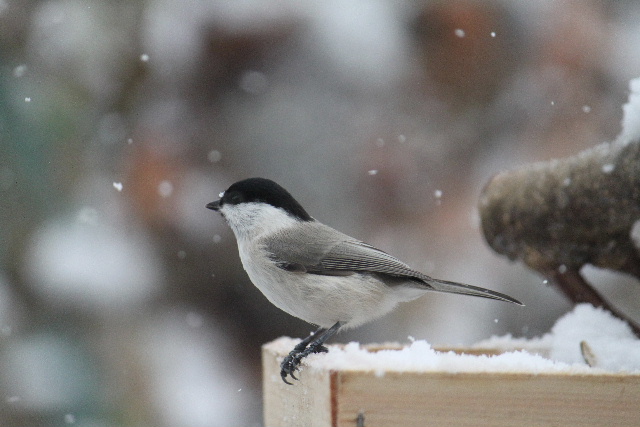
{"points": [[214, 206]]}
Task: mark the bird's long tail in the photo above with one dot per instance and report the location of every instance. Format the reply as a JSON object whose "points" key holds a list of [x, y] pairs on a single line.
{"points": [[460, 288]]}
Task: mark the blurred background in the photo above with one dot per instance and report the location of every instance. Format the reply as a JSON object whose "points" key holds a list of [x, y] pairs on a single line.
{"points": [[122, 299]]}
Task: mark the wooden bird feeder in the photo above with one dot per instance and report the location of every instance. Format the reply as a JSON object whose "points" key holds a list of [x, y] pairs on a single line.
{"points": [[325, 397]]}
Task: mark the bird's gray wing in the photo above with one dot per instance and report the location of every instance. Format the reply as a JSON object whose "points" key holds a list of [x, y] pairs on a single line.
{"points": [[315, 248], [356, 256]]}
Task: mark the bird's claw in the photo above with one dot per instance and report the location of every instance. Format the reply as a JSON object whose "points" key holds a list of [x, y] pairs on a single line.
{"points": [[319, 349], [310, 345], [291, 363], [283, 374], [289, 366], [284, 378]]}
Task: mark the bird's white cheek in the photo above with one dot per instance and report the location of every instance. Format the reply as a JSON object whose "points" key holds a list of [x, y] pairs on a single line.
{"points": [[250, 220], [239, 221]]}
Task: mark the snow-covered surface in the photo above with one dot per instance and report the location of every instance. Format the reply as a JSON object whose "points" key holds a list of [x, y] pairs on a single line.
{"points": [[631, 117], [612, 346]]}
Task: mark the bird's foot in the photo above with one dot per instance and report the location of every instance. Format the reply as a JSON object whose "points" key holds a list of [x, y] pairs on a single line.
{"points": [[288, 366], [311, 344], [317, 349], [291, 363]]}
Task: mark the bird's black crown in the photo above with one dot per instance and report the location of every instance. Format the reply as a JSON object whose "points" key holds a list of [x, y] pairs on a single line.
{"points": [[265, 191]]}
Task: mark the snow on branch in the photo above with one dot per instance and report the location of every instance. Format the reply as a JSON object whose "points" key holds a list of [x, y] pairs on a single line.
{"points": [[559, 215]]}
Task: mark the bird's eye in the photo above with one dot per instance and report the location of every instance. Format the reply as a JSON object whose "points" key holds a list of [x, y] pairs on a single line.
{"points": [[235, 198]]}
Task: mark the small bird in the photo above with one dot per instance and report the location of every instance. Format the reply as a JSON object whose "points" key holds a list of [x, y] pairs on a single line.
{"points": [[316, 273]]}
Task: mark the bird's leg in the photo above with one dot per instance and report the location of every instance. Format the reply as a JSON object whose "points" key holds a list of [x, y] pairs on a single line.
{"points": [[291, 362], [311, 344]]}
